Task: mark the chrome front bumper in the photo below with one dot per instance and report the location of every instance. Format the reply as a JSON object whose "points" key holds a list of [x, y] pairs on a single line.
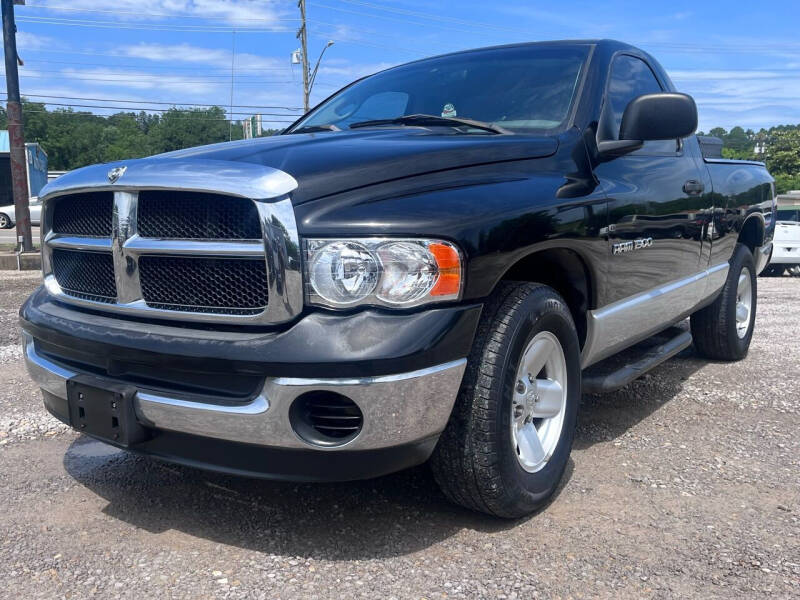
{"points": [[398, 409]]}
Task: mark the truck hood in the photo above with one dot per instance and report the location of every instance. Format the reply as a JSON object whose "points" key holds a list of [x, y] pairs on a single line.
{"points": [[332, 162]]}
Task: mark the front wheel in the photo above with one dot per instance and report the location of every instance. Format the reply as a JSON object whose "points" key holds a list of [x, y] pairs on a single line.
{"points": [[5, 222], [509, 438], [723, 330]]}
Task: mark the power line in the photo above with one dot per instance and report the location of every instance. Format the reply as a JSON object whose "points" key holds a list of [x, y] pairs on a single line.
{"points": [[192, 28], [765, 48], [154, 102], [344, 40], [776, 46], [445, 20]]}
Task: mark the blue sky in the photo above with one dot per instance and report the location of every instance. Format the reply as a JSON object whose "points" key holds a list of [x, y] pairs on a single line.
{"points": [[741, 61]]}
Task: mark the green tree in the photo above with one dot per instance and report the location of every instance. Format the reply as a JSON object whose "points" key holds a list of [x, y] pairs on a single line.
{"points": [[718, 132], [76, 139], [178, 128], [785, 183], [783, 152], [738, 140]]}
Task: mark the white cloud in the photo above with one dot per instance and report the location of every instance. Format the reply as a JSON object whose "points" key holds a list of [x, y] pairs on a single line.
{"points": [[143, 80], [747, 98], [239, 12], [33, 41], [349, 71], [727, 74], [217, 57]]}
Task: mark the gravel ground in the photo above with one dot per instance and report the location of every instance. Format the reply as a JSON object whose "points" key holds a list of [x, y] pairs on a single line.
{"points": [[684, 484]]}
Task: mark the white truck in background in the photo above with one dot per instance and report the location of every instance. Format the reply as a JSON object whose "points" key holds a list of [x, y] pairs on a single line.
{"points": [[786, 244]]}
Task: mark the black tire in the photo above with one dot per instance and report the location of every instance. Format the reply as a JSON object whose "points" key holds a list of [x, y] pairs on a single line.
{"points": [[5, 222], [475, 462], [714, 327]]}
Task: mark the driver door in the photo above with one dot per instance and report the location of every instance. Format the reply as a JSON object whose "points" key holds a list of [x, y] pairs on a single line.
{"points": [[651, 232]]}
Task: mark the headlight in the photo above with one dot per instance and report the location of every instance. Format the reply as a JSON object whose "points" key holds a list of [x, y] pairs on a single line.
{"points": [[383, 272]]}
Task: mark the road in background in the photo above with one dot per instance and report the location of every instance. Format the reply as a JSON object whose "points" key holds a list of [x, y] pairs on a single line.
{"points": [[9, 236], [683, 484]]}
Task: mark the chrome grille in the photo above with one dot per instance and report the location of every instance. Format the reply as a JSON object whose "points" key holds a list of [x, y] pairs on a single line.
{"points": [[84, 214], [87, 275], [188, 215], [212, 285], [202, 253]]}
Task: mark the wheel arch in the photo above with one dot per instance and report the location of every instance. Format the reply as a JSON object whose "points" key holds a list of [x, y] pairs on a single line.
{"points": [[567, 272], [753, 232]]}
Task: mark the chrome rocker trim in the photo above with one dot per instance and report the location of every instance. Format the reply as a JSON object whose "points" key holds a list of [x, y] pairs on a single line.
{"points": [[267, 187], [628, 321], [398, 409]]}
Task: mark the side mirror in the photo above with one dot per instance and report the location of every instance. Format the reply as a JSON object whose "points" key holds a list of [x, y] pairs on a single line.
{"points": [[664, 116]]}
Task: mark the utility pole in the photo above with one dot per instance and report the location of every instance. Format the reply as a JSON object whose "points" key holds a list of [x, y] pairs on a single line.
{"points": [[302, 35], [19, 170], [233, 61]]}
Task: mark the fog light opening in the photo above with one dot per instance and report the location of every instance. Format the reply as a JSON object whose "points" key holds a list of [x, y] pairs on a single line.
{"points": [[325, 418]]}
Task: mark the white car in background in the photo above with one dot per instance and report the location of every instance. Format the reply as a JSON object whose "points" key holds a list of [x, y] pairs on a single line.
{"points": [[8, 217], [786, 243]]}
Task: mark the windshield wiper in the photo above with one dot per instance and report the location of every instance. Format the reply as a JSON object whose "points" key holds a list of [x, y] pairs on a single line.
{"points": [[313, 128], [420, 119]]}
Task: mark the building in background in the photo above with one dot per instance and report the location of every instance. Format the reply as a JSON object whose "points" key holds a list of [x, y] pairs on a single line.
{"points": [[54, 175], [36, 168], [252, 127]]}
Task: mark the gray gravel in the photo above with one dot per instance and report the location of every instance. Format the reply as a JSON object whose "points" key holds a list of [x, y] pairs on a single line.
{"points": [[684, 484]]}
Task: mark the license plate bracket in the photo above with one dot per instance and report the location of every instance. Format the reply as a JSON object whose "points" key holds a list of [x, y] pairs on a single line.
{"points": [[104, 410]]}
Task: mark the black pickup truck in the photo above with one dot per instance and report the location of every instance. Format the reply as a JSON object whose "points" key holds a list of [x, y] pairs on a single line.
{"points": [[431, 264]]}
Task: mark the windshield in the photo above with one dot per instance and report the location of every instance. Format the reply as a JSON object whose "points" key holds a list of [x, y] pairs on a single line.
{"points": [[525, 89], [789, 214]]}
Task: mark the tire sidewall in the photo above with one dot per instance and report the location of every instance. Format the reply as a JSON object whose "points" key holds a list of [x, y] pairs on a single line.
{"points": [[536, 316], [5, 222]]}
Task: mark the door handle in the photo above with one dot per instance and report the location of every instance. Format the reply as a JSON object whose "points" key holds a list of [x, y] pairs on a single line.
{"points": [[693, 187]]}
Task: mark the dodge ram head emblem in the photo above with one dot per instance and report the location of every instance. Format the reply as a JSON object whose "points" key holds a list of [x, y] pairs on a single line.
{"points": [[116, 173]]}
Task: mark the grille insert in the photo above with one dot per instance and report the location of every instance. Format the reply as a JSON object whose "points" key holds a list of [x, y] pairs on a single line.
{"points": [[87, 214], [210, 285], [189, 215], [86, 275]]}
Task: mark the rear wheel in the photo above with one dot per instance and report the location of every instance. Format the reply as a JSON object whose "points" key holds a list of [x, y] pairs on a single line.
{"points": [[723, 330], [5, 222], [509, 438]]}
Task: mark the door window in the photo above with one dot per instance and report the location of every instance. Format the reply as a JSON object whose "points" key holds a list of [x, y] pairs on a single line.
{"points": [[631, 77]]}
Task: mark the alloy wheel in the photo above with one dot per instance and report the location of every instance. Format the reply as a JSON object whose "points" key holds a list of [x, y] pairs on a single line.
{"points": [[744, 303], [539, 401]]}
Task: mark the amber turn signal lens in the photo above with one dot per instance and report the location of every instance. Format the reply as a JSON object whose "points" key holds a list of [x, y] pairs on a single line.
{"points": [[447, 259]]}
